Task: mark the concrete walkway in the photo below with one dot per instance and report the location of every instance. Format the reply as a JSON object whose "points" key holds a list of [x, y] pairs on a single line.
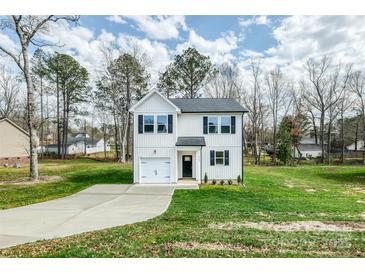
{"points": [[97, 207]]}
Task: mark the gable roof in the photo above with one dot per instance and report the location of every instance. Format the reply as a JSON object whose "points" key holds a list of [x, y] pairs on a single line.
{"points": [[201, 105], [140, 102], [14, 125]]}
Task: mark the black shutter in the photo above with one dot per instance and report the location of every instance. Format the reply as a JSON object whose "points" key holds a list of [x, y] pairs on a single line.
{"points": [[233, 124], [212, 157], [140, 123], [226, 157], [170, 123], [205, 125]]}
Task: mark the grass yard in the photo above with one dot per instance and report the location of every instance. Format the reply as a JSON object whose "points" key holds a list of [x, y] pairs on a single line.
{"points": [[77, 175], [225, 221]]}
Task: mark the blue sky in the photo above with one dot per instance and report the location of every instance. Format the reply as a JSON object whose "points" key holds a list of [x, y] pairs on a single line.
{"points": [[285, 41]]}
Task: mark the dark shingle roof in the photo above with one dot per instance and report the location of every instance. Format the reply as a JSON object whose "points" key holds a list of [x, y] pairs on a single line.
{"points": [[207, 105], [190, 141]]}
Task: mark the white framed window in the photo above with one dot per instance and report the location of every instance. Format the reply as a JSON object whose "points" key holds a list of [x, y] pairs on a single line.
{"points": [[225, 124], [161, 123], [148, 123], [212, 124], [219, 157]]}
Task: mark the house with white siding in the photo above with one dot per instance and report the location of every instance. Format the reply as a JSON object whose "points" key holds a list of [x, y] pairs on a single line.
{"points": [[177, 139]]}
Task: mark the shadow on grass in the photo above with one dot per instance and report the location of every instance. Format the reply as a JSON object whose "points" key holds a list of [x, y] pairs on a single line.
{"points": [[344, 178], [115, 175]]}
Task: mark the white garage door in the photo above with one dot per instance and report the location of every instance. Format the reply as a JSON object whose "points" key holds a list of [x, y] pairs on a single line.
{"points": [[155, 170]]}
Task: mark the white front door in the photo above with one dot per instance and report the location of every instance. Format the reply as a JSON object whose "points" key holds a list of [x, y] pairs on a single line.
{"points": [[155, 170]]}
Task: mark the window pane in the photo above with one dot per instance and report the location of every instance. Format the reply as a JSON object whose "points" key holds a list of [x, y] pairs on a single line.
{"points": [[225, 124], [213, 124], [219, 157], [225, 129], [213, 121], [148, 128], [161, 119], [148, 119], [161, 124], [213, 129], [161, 129], [219, 161]]}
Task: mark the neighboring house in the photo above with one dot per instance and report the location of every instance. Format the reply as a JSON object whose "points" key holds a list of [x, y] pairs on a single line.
{"points": [[358, 147], [14, 144], [178, 139], [309, 149], [80, 144]]}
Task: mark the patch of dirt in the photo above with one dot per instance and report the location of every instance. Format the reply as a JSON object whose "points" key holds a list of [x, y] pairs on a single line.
{"points": [[310, 190], [295, 226], [289, 185], [216, 246], [360, 202], [28, 181]]}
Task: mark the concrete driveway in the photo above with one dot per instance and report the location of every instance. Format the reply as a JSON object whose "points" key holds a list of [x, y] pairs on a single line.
{"points": [[97, 207]]}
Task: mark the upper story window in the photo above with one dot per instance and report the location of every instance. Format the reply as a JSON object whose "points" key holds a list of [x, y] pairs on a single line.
{"points": [[148, 122], [225, 124], [213, 124], [219, 124], [162, 124]]}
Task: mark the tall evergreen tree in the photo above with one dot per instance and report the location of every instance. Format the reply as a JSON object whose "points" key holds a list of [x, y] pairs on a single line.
{"points": [[185, 77]]}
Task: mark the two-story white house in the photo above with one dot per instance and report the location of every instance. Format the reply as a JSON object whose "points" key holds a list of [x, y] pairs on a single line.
{"points": [[176, 139]]}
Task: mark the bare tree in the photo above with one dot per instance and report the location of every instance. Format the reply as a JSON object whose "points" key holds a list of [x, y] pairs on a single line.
{"points": [[338, 85], [318, 93], [225, 84], [9, 93], [26, 29], [253, 100], [357, 86], [277, 95]]}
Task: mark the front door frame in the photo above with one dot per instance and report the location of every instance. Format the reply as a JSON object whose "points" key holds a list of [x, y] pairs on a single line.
{"points": [[191, 165]]}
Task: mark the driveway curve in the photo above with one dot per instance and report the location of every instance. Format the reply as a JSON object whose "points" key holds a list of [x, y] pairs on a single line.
{"points": [[97, 207]]}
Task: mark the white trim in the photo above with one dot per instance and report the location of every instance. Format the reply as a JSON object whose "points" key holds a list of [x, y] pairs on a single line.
{"points": [[133, 108]]}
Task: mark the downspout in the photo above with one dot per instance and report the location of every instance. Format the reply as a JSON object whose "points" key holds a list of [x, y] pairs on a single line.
{"points": [[201, 164]]}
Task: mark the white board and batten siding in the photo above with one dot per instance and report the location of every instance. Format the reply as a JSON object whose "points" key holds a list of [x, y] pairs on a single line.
{"points": [[151, 145], [191, 124]]}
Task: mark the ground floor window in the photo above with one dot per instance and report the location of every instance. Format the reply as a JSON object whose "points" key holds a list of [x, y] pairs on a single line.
{"points": [[219, 157]]}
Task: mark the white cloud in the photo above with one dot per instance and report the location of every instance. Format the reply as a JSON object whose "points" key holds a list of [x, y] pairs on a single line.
{"points": [[116, 19], [255, 20], [302, 37], [219, 49], [160, 27]]}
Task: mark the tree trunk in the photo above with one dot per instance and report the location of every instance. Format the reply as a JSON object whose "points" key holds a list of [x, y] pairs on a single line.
{"points": [[58, 119], [104, 137], [42, 119], [33, 143], [322, 137], [342, 139], [115, 135]]}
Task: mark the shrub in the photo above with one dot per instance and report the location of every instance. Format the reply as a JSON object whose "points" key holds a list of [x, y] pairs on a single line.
{"points": [[205, 178], [230, 182], [214, 182], [239, 179], [221, 182]]}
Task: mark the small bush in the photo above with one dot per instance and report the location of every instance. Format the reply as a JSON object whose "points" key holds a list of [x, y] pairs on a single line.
{"points": [[230, 182], [205, 178], [239, 180], [214, 182], [221, 182]]}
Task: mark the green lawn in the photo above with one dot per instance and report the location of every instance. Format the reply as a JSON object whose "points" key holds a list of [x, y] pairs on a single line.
{"points": [[206, 222], [77, 174]]}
